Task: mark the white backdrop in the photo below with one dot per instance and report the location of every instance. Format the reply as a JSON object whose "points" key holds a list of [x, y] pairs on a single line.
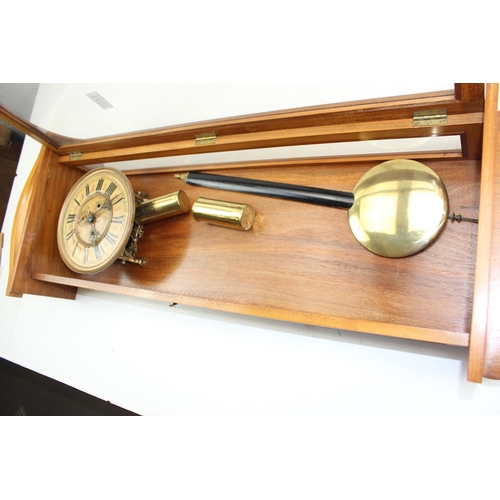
{"points": [[159, 360]]}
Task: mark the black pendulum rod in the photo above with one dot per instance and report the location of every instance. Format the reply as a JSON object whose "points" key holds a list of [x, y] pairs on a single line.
{"points": [[316, 196]]}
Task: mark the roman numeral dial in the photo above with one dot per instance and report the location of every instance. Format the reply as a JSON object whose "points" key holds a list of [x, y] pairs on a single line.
{"points": [[96, 220]]}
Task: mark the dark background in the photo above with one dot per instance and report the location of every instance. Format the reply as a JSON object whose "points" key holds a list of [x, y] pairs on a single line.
{"points": [[24, 392]]}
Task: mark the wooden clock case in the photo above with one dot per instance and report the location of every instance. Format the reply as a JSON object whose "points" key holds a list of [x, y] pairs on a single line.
{"points": [[299, 262]]}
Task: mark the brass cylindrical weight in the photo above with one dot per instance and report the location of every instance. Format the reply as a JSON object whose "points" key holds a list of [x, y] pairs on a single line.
{"points": [[224, 213], [162, 207]]}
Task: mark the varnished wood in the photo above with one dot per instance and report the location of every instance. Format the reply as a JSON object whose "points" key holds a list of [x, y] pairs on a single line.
{"points": [[345, 132], [471, 139], [310, 116], [370, 110], [20, 241], [483, 261], [465, 99], [302, 263], [469, 92], [360, 325], [492, 347], [373, 119], [33, 242]]}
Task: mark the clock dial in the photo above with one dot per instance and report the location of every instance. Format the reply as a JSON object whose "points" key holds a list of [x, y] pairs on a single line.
{"points": [[96, 221]]}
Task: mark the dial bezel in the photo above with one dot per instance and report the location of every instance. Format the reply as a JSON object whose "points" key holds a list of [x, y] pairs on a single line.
{"points": [[125, 227]]}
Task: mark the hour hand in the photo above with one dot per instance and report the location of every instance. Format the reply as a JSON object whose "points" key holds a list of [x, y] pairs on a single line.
{"points": [[94, 235], [87, 216]]}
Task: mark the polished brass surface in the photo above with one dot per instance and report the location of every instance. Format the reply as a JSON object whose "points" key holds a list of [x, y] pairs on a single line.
{"points": [[400, 208], [209, 138], [224, 213], [162, 207], [75, 155], [183, 177], [430, 117]]}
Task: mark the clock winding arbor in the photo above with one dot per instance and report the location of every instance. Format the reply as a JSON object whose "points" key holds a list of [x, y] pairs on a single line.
{"points": [[296, 263]]}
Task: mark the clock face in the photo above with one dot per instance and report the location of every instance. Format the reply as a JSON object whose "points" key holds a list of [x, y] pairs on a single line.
{"points": [[96, 221]]}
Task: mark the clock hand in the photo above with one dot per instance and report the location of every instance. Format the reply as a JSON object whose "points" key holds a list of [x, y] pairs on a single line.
{"points": [[106, 204], [87, 216], [94, 235]]}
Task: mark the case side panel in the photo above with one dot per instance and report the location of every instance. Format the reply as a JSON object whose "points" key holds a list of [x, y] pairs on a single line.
{"points": [[34, 244], [492, 347], [484, 239]]}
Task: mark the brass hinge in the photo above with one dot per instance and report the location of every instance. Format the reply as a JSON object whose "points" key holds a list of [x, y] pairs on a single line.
{"points": [[209, 138], [75, 155], [430, 117]]}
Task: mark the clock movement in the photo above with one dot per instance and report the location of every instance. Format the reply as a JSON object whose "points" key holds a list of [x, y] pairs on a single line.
{"points": [[100, 220]]}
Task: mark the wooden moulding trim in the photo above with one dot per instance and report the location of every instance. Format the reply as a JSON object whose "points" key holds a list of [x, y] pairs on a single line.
{"points": [[273, 120], [463, 99], [370, 110], [388, 129], [484, 240], [365, 326]]}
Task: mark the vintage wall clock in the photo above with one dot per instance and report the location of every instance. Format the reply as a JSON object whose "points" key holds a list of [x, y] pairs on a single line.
{"points": [[102, 219], [96, 221], [320, 275]]}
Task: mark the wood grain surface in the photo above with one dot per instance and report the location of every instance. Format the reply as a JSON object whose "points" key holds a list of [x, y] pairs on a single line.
{"points": [[492, 347], [33, 242], [372, 119], [480, 313], [301, 262]]}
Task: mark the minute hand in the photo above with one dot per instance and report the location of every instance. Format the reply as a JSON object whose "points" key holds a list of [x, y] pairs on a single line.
{"points": [[106, 204], [305, 194]]}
